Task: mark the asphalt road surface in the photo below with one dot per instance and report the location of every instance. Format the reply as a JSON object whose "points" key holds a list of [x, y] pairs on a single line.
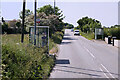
{"points": [[82, 58]]}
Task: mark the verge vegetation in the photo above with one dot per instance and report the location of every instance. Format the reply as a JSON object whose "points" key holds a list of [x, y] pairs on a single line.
{"points": [[87, 28], [22, 60]]}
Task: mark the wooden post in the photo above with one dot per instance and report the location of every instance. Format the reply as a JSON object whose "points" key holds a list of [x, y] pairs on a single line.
{"points": [[23, 16]]}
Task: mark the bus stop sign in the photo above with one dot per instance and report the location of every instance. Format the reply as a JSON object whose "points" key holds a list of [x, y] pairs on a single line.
{"points": [[37, 20]]}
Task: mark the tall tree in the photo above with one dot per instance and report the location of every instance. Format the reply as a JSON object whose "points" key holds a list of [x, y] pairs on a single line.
{"points": [[88, 24], [3, 20], [49, 10], [27, 13]]}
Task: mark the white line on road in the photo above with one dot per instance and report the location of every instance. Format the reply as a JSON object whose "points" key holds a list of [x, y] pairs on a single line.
{"points": [[104, 73], [107, 70], [89, 52]]}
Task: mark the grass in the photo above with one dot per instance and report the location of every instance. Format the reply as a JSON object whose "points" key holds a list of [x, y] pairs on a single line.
{"points": [[55, 39], [88, 36], [22, 60]]}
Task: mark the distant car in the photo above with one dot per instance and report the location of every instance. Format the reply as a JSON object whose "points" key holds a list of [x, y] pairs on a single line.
{"points": [[72, 30], [76, 32]]}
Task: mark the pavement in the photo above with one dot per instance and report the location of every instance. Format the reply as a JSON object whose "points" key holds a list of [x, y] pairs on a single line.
{"points": [[82, 58]]}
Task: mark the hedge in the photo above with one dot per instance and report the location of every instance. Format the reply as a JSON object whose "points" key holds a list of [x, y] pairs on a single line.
{"points": [[112, 32]]}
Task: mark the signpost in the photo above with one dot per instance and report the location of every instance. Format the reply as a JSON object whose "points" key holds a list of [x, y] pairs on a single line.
{"points": [[99, 31]]}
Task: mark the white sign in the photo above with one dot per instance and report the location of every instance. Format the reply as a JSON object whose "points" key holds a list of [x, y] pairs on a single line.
{"points": [[37, 20]]}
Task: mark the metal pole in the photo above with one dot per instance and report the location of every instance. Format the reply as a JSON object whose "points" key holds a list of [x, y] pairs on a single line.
{"points": [[35, 24], [95, 33], [48, 40], [23, 16]]}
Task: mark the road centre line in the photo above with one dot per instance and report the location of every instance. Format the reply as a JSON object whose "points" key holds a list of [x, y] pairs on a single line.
{"points": [[89, 52], [107, 70], [104, 73], [101, 65]]}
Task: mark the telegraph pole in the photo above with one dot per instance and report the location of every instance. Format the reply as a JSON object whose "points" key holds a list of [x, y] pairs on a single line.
{"points": [[23, 16], [35, 23], [54, 7]]}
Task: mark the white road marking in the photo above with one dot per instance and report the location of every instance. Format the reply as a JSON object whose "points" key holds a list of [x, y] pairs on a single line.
{"points": [[89, 52], [104, 73], [107, 70], [101, 65]]}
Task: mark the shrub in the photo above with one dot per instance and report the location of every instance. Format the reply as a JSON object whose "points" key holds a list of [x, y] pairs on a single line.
{"points": [[23, 60], [4, 27], [57, 37], [112, 32]]}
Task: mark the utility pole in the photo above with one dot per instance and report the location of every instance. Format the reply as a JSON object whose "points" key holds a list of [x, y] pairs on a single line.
{"points": [[35, 23], [54, 7], [54, 13], [23, 16]]}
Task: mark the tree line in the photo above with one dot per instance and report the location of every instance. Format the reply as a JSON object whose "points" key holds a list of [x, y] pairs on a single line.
{"points": [[46, 16], [88, 25]]}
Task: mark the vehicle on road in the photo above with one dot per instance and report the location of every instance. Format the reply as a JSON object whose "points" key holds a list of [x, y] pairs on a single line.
{"points": [[76, 32], [72, 30]]}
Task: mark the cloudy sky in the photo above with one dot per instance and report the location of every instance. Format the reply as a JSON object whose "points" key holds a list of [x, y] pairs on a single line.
{"points": [[105, 12]]}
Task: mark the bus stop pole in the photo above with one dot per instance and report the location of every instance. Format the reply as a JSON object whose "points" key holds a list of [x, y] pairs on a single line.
{"points": [[48, 40], [35, 24]]}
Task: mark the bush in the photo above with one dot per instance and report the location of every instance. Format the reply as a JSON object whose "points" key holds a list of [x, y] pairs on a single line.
{"points": [[57, 37], [112, 32], [21, 60], [4, 27]]}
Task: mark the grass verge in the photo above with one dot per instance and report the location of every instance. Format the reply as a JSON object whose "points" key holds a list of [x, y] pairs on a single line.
{"points": [[88, 36], [55, 39], [22, 60]]}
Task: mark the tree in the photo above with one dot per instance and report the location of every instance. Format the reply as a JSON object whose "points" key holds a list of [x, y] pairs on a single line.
{"points": [[27, 13], [4, 27], [3, 20], [88, 24], [47, 18], [18, 24], [68, 26], [49, 10]]}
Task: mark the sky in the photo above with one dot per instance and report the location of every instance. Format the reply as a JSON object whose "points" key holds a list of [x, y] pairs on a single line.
{"points": [[105, 12]]}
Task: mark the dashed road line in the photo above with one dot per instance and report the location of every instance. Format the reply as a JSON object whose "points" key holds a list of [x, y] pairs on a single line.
{"points": [[107, 71], [104, 73], [101, 65], [89, 52]]}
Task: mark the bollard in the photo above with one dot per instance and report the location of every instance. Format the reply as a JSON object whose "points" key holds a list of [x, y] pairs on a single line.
{"points": [[109, 39], [113, 40]]}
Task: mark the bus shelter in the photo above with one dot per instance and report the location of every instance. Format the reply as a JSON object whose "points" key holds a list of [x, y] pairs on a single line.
{"points": [[42, 36]]}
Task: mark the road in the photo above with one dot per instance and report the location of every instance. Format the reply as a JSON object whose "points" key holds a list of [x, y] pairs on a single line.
{"points": [[82, 58]]}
